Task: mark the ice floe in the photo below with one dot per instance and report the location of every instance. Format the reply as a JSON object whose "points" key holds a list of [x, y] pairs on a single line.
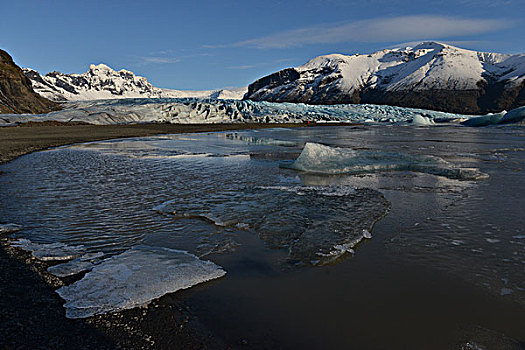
{"points": [[134, 278], [85, 263], [321, 159], [50, 251], [316, 224]]}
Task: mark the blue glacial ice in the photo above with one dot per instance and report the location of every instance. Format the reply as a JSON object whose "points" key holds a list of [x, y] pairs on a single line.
{"points": [[321, 159], [122, 111], [191, 110]]}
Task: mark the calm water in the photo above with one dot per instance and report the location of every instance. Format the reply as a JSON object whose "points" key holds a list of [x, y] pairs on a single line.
{"points": [[446, 256]]}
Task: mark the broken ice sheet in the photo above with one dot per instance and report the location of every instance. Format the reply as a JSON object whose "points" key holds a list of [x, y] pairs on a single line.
{"points": [[134, 278]]}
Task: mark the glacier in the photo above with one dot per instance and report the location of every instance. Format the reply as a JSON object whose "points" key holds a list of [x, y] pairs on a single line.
{"points": [[191, 110], [204, 111]]}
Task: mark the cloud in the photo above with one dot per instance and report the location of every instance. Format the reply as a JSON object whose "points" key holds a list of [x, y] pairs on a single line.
{"points": [[160, 60], [246, 66], [404, 28]]}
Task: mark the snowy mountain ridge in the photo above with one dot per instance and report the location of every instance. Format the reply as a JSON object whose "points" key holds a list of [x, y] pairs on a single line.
{"points": [[102, 82], [465, 81]]}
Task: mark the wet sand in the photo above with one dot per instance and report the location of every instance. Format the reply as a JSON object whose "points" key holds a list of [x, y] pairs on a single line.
{"points": [[30, 137], [31, 313]]}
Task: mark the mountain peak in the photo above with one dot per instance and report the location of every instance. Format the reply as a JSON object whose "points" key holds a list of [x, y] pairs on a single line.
{"points": [[100, 67], [430, 75], [103, 82]]}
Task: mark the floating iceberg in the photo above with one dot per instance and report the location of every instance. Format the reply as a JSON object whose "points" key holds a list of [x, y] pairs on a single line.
{"points": [[515, 116], [134, 278], [50, 251], [419, 120], [484, 120], [321, 159]]}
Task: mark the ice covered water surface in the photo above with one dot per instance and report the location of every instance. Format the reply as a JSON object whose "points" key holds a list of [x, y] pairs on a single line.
{"points": [[321, 159], [84, 263], [50, 251], [134, 278], [317, 225]]}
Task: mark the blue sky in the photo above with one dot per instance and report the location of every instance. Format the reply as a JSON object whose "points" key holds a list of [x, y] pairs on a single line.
{"points": [[213, 44]]}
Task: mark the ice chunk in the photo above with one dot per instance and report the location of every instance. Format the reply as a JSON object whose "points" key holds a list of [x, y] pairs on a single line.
{"points": [[134, 278], [9, 228], [85, 263], [367, 234], [514, 116], [259, 140], [321, 159], [489, 119], [419, 120], [50, 251], [70, 268]]}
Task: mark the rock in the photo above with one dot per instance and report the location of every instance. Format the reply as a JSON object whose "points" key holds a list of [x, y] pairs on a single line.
{"points": [[16, 93]]}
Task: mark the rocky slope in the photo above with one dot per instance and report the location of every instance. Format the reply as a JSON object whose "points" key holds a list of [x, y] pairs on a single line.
{"points": [[16, 93], [430, 75], [102, 82]]}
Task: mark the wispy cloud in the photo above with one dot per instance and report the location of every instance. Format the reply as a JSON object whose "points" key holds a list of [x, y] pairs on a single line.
{"points": [[246, 66], [160, 60], [404, 28], [161, 57]]}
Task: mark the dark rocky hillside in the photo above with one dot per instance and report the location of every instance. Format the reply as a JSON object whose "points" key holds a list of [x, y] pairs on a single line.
{"points": [[16, 93]]}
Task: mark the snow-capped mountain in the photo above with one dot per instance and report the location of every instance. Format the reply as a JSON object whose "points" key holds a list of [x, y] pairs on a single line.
{"points": [[430, 75], [102, 82]]}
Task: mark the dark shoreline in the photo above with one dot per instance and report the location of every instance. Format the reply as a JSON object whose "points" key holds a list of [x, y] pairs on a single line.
{"points": [[31, 313], [16, 141]]}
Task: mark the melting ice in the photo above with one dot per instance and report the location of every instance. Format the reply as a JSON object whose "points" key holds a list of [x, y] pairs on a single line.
{"points": [[134, 278], [50, 251], [321, 159], [317, 225]]}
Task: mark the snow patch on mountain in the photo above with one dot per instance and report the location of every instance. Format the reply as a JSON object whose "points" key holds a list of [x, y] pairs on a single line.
{"points": [[429, 65], [102, 82]]}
